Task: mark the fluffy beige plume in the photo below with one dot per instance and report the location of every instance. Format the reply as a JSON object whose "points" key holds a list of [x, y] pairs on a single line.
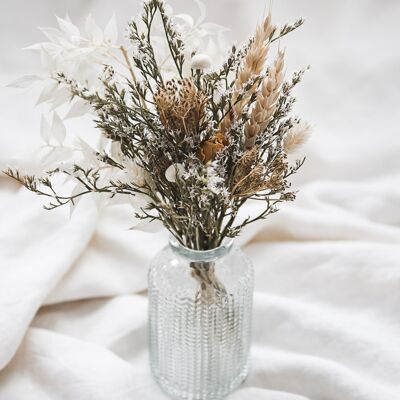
{"points": [[252, 66], [296, 137], [265, 105]]}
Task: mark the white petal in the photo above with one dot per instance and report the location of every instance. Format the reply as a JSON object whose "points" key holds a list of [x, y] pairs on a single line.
{"points": [[58, 129], [88, 153], [68, 28], [93, 31], [45, 130], [38, 46], [55, 157], [111, 31], [212, 28], [53, 34], [170, 173], [47, 92], [202, 9], [24, 81], [48, 61], [79, 53], [79, 107], [61, 96], [79, 188], [173, 171], [169, 11], [187, 19], [147, 226]]}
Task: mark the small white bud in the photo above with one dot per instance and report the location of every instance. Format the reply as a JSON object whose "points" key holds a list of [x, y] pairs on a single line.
{"points": [[200, 61]]}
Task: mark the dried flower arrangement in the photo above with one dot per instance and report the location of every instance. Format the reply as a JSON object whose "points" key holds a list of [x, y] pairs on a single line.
{"points": [[191, 148]]}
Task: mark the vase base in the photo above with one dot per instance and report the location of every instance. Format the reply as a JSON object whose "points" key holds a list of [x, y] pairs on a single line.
{"points": [[176, 393]]}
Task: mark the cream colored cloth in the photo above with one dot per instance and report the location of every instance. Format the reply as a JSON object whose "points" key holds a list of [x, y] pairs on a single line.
{"points": [[73, 306]]}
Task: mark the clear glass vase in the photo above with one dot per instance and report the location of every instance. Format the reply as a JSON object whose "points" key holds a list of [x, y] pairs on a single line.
{"points": [[200, 306]]}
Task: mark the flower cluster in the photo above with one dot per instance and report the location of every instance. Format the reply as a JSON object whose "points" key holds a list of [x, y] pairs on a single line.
{"points": [[193, 143]]}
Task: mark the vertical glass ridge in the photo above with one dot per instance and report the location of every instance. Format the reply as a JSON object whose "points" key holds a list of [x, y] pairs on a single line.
{"points": [[199, 348]]}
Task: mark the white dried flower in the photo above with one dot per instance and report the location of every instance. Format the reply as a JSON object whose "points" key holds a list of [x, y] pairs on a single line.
{"points": [[200, 62], [134, 173], [173, 171], [296, 136]]}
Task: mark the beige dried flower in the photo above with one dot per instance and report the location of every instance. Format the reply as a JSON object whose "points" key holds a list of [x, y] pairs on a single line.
{"points": [[267, 98], [296, 137]]}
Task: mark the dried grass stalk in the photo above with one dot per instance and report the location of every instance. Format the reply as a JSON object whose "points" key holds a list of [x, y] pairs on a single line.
{"points": [[252, 66], [265, 105], [296, 137]]}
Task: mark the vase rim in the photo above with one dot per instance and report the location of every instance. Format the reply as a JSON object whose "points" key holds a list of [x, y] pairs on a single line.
{"points": [[201, 255]]}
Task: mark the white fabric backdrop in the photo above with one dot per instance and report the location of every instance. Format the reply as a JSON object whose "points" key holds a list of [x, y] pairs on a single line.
{"points": [[327, 302]]}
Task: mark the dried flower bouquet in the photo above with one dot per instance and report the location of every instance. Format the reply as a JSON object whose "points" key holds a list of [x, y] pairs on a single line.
{"points": [[193, 148]]}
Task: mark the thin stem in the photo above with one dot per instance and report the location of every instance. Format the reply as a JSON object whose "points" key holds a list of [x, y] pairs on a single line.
{"points": [[128, 63]]}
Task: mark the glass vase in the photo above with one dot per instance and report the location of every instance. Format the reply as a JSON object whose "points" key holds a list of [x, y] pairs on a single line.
{"points": [[200, 306]]}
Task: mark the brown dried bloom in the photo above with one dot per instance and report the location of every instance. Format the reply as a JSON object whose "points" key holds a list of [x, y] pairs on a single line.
{"points": [[180, 106], [267, 98], [211, 147]]}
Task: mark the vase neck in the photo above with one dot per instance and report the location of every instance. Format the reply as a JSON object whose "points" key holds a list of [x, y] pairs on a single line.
{"points": [[201, 255]]}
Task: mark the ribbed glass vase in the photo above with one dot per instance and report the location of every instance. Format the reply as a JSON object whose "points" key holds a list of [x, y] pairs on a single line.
{"points": [[200, 320]]}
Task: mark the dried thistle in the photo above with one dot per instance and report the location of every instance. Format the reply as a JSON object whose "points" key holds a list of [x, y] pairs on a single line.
{"points": [[180, 105]]}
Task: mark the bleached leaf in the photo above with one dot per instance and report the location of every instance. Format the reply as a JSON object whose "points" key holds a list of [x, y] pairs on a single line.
{"points": [[147, 226], [55, 156], [174, 171], [47, 59], [24, 81], [79, 52], [78, 108], [212, 28], [35, 46], [68, 28], [47, 92], [60, 96], [45, 129], [79, 188], [58, 129], [169, 11], [111, 30], [53, 34], [93, 31], [88, 152], [202, 9], [187, 19]]}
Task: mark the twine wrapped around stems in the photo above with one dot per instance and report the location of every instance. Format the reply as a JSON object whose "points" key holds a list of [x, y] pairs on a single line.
{"points": [[211, 289]]}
